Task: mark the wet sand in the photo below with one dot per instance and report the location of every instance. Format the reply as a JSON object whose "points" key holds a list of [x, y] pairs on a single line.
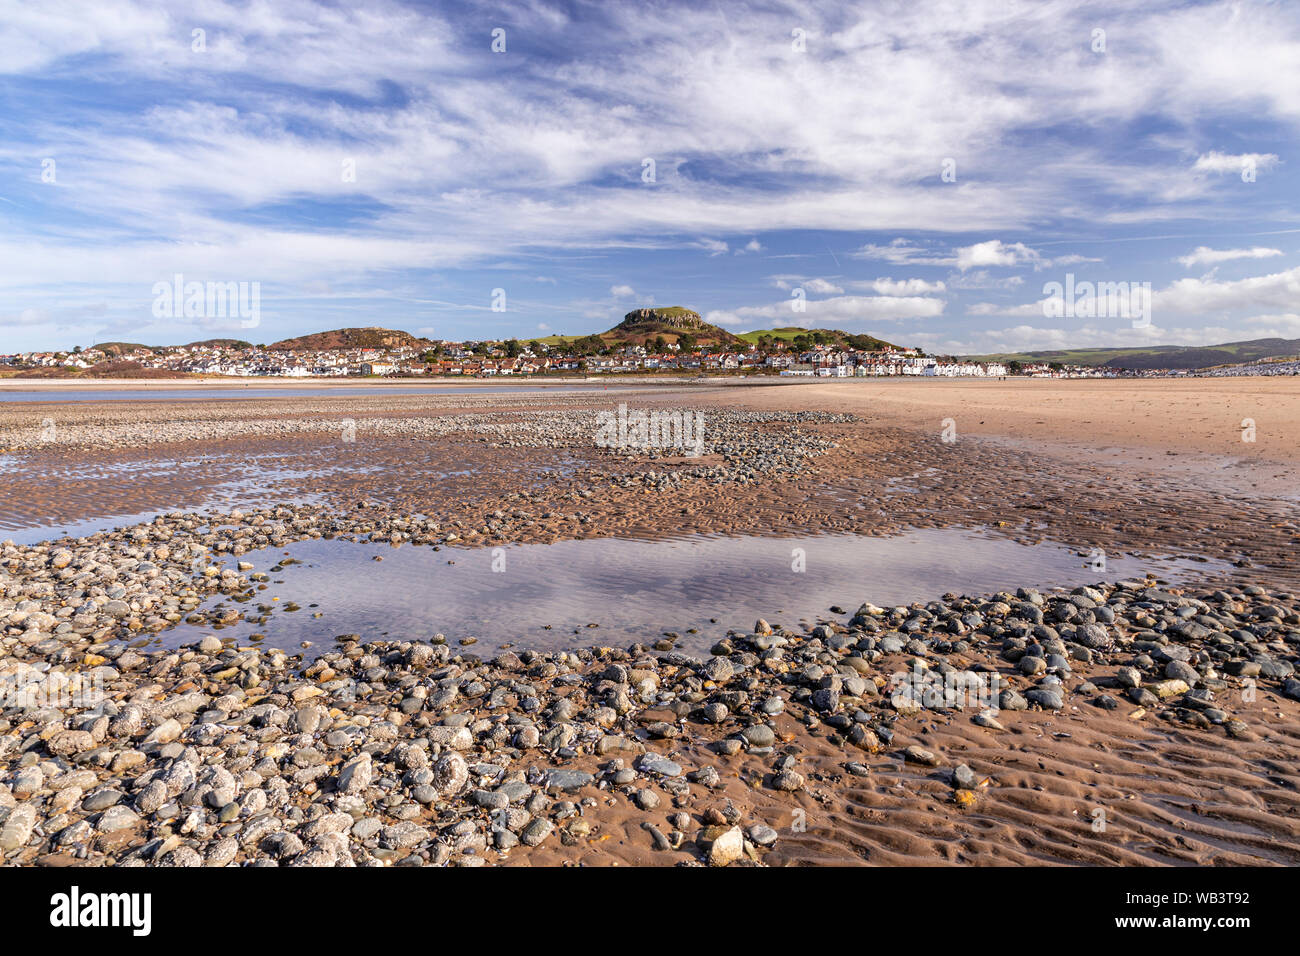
{"points": [[1192, 427]]}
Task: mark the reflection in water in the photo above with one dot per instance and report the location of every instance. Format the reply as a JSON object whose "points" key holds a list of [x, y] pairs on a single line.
{"points": [[545, 596]]}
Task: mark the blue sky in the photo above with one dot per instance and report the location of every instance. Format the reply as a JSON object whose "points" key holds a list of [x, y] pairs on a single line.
{"points": [[794, 149]]}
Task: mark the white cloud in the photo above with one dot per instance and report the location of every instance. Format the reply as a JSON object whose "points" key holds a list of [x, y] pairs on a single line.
{"points": [[1278, 291], [904, 252], [1282, 325], [983, 279], [996, 253], [998, 308], [1030, 338], [622, 292], [1216, 162], [834, 312], [1192, 297], [980, 255], [459, 160], [821, 287], [887, 286], [714, 247], [28, 317], [1204, 255]]}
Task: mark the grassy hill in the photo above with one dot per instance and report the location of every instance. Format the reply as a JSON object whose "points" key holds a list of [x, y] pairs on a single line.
{"points": [[113, 368], [706, 334], [1159, 356], [828, 336]]}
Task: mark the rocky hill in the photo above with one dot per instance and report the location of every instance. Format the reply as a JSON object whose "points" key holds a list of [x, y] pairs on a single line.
{"points": [[671, 323], [220, 344], [367, 338]]}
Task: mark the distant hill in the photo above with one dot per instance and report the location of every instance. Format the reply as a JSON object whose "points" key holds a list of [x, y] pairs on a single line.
{"points": [[118, 349], [671, 323], [220, 344], [368, 338], [827, 337], [1160, 356]]}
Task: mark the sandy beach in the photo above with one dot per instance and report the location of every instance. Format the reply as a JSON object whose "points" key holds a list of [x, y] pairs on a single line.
{"points": [[1136, 720]]}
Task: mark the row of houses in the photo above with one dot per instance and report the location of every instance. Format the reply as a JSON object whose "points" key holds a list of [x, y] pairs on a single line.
{"points": [[926, 366], [482, 359]]}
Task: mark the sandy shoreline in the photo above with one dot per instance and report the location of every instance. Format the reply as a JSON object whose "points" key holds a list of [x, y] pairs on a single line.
{"points": [[234, 384], [1194, 774]]}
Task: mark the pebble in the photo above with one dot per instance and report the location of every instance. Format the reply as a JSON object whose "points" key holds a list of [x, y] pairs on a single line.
{"points": [[915, 754], [373, 752], [657, 764], [727, 848]]}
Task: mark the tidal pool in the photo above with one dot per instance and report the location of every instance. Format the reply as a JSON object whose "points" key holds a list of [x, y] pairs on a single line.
{"points": [[616, 592]]}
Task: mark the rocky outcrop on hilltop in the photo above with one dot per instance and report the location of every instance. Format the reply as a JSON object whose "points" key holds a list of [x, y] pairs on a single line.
{"points": [[675, 317]]}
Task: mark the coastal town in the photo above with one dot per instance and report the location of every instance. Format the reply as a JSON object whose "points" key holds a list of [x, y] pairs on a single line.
{"points": [[375, 352], [671, 341], [486, 359]]}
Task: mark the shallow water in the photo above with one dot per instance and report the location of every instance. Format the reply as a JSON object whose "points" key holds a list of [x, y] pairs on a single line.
{"points": [[186, 393], [245, 481], [257, 485], [545, 596]]}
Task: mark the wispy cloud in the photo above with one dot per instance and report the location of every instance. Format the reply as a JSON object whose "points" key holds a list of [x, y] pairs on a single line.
{"points": [[384, 150], [1204, 255]]}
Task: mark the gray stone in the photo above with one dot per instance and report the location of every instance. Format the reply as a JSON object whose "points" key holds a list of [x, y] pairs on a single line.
{"points": [[120, 817], [567, 780], [1049, 698], [17, 829], [658, 764]]}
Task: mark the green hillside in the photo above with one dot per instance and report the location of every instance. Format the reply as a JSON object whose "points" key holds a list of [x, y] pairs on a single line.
{"points": [[817, 337], [1158, 356]]}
